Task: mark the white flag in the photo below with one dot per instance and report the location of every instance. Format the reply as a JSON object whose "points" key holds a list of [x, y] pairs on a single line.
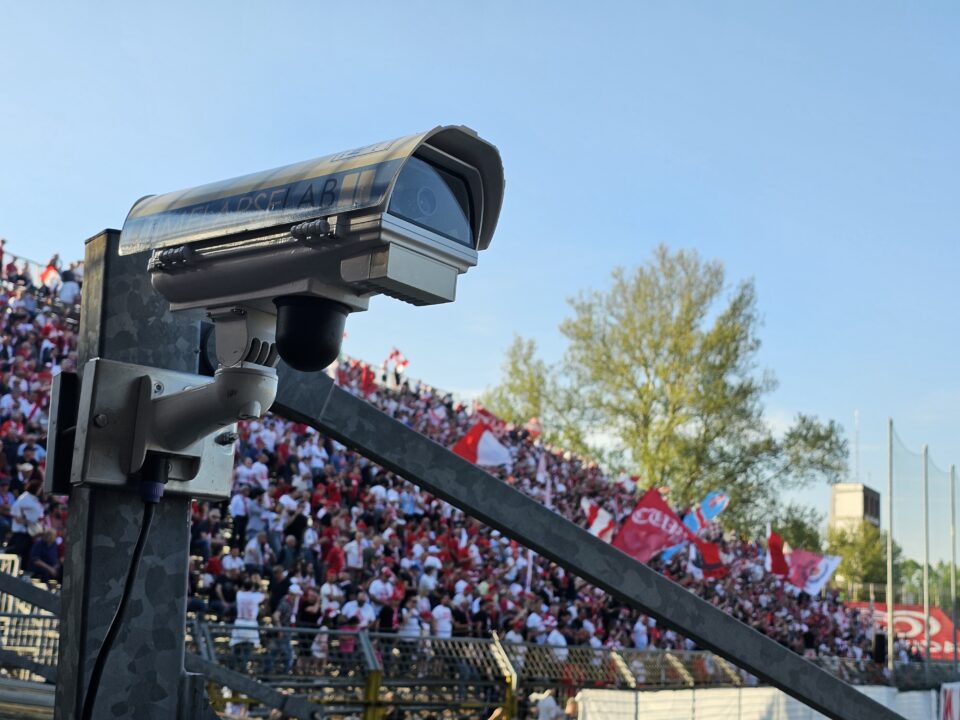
{"points": [[599, 521]]}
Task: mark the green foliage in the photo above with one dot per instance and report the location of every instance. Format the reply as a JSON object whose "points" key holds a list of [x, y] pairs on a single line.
{"points": [[526, 387], [532, 388], [799, 525], [908, 581], [662, 366], [862, 551]]}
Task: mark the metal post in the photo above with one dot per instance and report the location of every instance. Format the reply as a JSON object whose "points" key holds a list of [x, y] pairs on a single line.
{"points": [[314, 400], [890, 627], [953, 559], [123, 319], [926, 552]]}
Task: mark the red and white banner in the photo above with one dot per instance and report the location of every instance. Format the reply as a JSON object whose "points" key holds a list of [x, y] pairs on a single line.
{"points": [[651, 527], [497, 426], [908, 624], [50, 277], [481, 447], [599, 521], [950, 701], [400, 363], [810, 571]]}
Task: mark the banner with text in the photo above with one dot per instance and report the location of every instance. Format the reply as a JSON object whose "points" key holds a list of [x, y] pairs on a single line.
{"points": [[651, 527], [908, 624]]}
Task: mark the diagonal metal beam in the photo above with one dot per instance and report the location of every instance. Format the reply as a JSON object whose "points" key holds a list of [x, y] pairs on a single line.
{"points": [[290, 705], [315, 400], [11, 658], [30, 593]]}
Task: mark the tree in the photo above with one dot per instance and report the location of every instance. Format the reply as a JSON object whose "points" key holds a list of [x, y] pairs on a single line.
{"points": [[663, 366], [799, 525], [862, 551], [531, 388], [526, 388]]}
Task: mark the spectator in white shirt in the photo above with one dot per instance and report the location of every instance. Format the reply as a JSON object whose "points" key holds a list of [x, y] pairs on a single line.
{"points": [[361, 609], [245, 637], [233, 561], [261, 473], [27, 512], [381, 589], [443, 618], [243, 473], [239, 511], [353, 552]]}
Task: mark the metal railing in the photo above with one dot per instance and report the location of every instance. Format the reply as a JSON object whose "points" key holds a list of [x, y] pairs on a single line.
{"points": [[340, 674], [32, 267]]}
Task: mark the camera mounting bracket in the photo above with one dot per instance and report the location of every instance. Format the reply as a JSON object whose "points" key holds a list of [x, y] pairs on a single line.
{"points": [[127, 410]]}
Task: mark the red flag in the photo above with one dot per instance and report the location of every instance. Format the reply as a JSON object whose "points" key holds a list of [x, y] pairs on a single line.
{"points": [[496, 425], [710, 558], [651, 527], [776, 562], [368, 383], [480, 447], [397, 358]]}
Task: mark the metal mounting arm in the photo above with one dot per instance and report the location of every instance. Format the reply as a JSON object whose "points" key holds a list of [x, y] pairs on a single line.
{"points": [[174, 422], [316, 401]]}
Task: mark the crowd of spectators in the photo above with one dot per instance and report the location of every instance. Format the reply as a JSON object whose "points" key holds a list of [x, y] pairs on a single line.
{"points": [[341, 543], [38, 339], [315, 535]]}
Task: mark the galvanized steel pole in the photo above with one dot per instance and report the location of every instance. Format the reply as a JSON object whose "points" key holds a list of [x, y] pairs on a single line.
{"points": [[926, 551], [890, 628], [953, 559]]}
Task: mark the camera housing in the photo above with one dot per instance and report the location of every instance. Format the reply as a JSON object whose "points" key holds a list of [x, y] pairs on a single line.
{"points": [[279, 258]]}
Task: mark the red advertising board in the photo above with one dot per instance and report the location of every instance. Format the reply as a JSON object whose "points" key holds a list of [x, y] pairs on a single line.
{"points": [[908, 623]]}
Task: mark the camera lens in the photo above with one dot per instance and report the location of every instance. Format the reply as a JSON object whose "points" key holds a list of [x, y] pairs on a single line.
{"points": [[434, 199], [426, 201]]}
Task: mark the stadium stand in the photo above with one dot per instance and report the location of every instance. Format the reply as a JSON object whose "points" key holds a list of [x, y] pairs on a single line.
{"points": [[324, 565]]}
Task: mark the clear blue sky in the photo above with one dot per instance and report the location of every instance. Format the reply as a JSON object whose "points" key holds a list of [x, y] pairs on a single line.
{"points": [[812, 146]]}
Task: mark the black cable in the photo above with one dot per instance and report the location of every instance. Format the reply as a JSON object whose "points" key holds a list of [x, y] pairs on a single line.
{"points": [[114, 628], [151, 490]]}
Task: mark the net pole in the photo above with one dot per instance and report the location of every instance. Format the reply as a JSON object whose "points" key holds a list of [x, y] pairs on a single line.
{"points": [[953, 559], [890, 545], [926, 551]]}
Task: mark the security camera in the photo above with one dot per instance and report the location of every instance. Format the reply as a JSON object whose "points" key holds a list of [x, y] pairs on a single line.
{"points": [[279, 258]]}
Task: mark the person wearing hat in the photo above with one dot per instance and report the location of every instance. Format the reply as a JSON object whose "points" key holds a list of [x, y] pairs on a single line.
{"points": [[515, 633]]}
